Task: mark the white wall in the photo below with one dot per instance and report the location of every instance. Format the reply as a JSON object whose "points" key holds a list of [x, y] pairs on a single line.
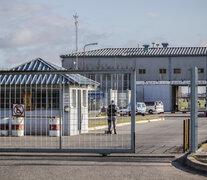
{"points": [[37, 122]]}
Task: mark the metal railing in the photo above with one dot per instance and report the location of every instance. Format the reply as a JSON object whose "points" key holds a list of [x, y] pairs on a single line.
{"points": [[51, 111]]}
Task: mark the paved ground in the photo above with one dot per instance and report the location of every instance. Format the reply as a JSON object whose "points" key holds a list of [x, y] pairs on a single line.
{"points": [[166, 136], [154, 137], [162, 137], [70, 167]]}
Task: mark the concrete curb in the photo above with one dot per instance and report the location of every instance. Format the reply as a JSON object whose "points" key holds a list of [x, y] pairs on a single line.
{"points": [[113, 155], [195, 164], [125, 124]]}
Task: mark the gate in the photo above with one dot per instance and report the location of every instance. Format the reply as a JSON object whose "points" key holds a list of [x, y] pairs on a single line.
{"points": [[65, 111]]}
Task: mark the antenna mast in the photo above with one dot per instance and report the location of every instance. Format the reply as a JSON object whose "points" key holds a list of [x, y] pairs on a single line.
{"points": [[76, 39]]}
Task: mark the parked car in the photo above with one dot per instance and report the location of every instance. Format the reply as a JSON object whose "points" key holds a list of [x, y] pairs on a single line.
{"points": [[140, 108], [156, 107], [124, 111]]}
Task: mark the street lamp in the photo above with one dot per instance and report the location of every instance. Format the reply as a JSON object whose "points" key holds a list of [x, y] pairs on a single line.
{"points": [[84, 49]]}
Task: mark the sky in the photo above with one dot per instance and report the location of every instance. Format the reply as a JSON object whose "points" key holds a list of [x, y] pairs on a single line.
{"points": [[45, 28]]}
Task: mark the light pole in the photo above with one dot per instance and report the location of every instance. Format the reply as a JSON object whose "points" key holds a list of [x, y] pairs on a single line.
{"points": [[84, 49]]}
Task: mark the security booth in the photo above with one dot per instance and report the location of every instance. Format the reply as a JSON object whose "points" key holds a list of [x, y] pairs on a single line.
{"points": [[50, 101]]}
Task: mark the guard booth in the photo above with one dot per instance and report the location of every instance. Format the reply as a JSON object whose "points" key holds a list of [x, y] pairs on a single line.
{"points": [[43, 96]]}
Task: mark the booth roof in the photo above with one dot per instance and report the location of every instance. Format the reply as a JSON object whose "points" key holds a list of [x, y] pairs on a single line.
{"points": [[41, 65]]}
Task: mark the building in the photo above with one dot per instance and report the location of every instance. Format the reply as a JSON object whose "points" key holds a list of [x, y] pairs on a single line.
{"points": [[162, 73], [46, 96]]}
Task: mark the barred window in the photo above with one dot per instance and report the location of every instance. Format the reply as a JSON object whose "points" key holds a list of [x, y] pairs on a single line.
{"points": [[177, 71], [142, 71], [200, 70], [162, 71], [73, 98], [85, 98]]}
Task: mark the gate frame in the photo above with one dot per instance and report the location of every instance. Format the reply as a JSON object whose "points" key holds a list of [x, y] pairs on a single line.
{"points": [[132, 73]]}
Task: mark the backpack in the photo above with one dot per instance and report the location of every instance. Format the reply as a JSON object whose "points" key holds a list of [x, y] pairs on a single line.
{"points": [[111, 111]]}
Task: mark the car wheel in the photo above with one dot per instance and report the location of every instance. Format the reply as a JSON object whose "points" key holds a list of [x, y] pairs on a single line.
{"points": [[150, 111]]}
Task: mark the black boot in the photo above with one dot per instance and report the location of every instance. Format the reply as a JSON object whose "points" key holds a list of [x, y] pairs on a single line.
{"points": [[114, 131]]}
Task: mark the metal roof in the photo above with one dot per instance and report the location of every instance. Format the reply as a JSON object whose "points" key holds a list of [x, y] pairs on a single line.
{"points": [[41, 65], [169, 51]]}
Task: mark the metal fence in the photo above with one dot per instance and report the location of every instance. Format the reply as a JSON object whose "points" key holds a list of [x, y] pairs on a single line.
{"points": [[66, 111]]}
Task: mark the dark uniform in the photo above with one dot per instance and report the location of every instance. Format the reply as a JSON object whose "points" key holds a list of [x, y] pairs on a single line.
{"points": [[112, 113]]}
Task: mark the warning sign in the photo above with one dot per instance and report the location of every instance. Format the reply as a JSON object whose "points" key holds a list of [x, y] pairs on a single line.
{"points": [[18, 109]]}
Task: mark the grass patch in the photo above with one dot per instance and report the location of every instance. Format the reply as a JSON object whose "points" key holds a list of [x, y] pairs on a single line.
{"points": [[119, 121]]}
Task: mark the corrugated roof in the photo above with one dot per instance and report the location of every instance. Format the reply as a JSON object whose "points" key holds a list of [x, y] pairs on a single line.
{"points": [[169, 51], [41, 65]]}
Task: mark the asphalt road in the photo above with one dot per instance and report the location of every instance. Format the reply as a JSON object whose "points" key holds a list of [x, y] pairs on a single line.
{"points": [[166, 136], [161, 137], [93, 168]]}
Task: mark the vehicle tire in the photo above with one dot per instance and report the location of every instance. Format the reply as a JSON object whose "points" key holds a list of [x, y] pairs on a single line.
{"points": [[150, 111], [143, 114]]}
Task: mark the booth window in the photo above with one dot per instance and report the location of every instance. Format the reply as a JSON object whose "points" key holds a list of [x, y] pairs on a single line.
{"points": [[73, 98]]}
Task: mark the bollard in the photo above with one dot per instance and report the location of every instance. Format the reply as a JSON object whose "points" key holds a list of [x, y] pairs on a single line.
{"points": [[54, 127], [17, 126], [4, 127], [185, 135]]}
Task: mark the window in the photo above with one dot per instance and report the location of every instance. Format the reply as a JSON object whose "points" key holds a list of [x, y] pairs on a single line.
{"points": [[200, 70], [162, 71], [73, 98], [84, 98], [142, 71], [177, 71], [92, 76]]}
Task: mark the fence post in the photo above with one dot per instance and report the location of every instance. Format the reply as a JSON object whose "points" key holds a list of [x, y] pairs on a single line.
{"points": [[189, 134], [194, 110], [133, 108], [60, 109]]}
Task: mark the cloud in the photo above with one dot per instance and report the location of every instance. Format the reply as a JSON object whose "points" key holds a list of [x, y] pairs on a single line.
{"points": [[30, 30], [153, 15], [203, 44]]}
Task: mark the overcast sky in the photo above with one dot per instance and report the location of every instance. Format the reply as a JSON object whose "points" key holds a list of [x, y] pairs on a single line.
{"points": [[45, 28]]}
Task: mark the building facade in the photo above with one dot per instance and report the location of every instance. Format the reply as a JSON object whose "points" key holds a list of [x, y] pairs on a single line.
{"points": [[162, 73]]}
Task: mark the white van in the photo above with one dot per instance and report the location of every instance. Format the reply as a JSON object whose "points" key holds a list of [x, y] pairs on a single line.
{"points": [[141, 108], [156, 107]]}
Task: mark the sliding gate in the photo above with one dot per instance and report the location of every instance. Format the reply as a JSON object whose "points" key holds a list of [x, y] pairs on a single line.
{"points": [[66, 111]]}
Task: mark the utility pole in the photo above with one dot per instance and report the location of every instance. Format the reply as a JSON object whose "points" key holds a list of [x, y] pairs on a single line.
{"points": [[76, 39]]}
